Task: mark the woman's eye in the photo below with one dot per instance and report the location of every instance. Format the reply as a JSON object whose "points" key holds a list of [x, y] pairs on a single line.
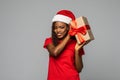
{"points": [[61, 27], [55, 27]]}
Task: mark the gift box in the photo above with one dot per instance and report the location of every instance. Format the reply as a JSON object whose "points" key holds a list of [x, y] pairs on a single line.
{"points": [[81, 29]]}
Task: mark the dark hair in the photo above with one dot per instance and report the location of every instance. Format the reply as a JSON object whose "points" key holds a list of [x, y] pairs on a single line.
{"points": [[55, 40]]}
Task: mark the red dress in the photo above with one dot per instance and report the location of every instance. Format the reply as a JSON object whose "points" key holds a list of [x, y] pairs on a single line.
{"points": [[62, 67]]}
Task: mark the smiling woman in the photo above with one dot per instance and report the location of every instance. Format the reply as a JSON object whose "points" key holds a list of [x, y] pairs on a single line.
{"points": [[59, 30], [65, 55]]}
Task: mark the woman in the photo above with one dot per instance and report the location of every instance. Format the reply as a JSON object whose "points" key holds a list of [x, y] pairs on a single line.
{"points": [[65, 55]]}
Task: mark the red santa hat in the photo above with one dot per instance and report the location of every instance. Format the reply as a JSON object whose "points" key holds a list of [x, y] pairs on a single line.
{"points": [[64, 16]]}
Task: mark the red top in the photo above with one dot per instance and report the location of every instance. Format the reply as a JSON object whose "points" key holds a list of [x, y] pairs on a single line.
{"points": [[62, 67]]}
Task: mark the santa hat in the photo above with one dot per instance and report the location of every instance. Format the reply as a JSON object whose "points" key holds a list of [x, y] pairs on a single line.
{"points": [[64, 16]]}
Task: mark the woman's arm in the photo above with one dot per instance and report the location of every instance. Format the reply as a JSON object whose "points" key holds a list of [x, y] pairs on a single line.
{"points": [[56, 50], [78, 57]]}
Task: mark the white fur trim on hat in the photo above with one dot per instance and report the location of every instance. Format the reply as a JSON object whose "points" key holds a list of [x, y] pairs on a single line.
{"points": [[61, 18]]}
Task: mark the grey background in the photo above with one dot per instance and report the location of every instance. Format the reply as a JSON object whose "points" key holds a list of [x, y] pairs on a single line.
{"points": [[24, 25]]}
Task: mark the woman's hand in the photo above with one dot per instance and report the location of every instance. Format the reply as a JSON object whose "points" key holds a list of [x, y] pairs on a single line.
{"points": [[79, 46]]}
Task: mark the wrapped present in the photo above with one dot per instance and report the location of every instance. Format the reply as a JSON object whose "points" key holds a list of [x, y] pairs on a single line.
{"points": [[81, 29]]}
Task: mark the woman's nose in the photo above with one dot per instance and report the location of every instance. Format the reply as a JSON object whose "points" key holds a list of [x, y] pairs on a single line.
{"points": [[58, 30]]}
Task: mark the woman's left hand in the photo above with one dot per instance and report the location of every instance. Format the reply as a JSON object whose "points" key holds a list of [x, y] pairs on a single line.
{"points": [[79, 46]]}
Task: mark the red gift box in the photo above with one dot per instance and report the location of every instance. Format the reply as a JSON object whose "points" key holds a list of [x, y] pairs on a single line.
{"points": [[81, 29]]}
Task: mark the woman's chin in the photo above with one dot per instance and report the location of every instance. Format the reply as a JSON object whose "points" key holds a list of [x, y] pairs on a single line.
{"points": [[60, 37]]}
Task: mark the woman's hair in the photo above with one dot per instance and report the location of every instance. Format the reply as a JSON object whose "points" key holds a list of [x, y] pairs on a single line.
{"points": [[55, 40]]}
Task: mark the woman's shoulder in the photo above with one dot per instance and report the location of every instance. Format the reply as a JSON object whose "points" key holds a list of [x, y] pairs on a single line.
{"points": [[48, 38], [71, 42], [47, 41]]}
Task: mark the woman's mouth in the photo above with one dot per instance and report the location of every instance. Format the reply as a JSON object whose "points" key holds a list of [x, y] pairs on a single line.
{"points": [[59, 35]]}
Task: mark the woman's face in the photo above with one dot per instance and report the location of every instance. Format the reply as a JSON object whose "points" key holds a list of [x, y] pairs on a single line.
{"points": [[60, 29]]}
